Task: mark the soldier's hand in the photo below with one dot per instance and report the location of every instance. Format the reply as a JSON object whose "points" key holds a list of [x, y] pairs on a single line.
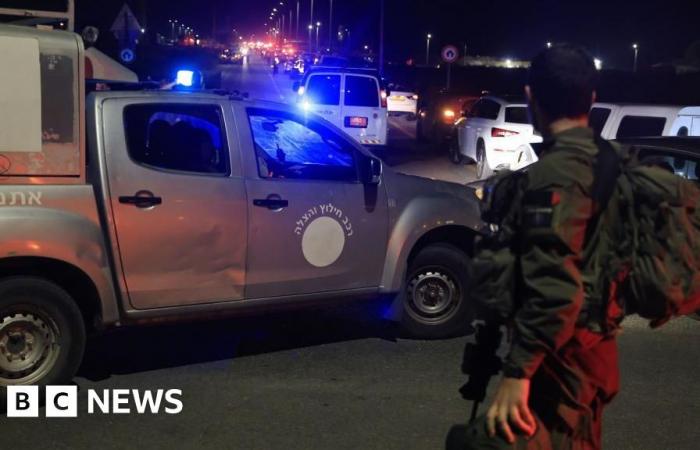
{"points": [[509, 407]]}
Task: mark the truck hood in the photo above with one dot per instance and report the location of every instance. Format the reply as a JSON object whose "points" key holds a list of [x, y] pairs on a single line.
{"points": [[448, 203]]}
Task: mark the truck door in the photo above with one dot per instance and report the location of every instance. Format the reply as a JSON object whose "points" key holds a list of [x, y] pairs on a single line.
{"points": [[695, 129], [178, 201], [362, 115], [314, 227]]}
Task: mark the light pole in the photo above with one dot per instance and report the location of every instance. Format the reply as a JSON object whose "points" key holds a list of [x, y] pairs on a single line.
{"points": [[311, 27], [635, 47], [311, 13], [427, 49], [318, 27], [381, 37], [330, 27], [298, 6]]}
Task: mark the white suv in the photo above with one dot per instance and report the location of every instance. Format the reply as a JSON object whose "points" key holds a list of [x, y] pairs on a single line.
{"points": [[624, 120], [495, 134]]}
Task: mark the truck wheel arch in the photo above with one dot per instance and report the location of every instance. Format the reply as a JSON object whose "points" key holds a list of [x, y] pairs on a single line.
{"points": [[71, 278]]}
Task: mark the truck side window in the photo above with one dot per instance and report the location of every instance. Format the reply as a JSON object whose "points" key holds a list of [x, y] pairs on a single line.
{"points": [[324, 90], [288, 146], [636, 126], [180, 137]]}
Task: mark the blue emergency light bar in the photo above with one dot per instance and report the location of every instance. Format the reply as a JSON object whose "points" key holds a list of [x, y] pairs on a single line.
{"points": [[184, 78]]}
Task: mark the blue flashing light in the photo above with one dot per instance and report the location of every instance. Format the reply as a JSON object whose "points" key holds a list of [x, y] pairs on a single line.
{"points": [[184, 78]]}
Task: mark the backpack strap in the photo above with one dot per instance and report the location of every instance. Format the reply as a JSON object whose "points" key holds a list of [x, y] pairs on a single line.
{"points": [[606, 170]]}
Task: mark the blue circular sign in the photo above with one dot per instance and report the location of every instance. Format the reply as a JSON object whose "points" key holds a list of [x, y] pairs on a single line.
{"points": [[127, 55]]}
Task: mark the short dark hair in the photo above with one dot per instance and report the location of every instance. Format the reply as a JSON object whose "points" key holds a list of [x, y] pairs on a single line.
{"points": [[562, 80]]}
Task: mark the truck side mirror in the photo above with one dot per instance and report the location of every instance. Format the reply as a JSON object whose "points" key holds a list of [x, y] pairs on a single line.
{"points": [[372, 171]]}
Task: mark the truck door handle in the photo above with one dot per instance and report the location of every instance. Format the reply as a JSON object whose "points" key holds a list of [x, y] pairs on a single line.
{"points": [[271, 203], [142, 199]]}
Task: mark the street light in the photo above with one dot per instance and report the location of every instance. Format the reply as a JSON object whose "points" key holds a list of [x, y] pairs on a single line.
{"points": [[598, 63], [636, 53], [318, 27], [427, 49], [549, 45]]}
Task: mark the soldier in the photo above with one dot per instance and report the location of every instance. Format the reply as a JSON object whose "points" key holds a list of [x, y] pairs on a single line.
{"points": [[559, 373]]}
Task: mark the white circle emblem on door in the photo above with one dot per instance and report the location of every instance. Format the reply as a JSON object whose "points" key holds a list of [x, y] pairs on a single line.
{"points": [[323, 241]]}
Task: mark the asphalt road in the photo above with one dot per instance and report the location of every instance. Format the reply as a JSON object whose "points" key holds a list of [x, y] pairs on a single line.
{"points": [[339, 378]]}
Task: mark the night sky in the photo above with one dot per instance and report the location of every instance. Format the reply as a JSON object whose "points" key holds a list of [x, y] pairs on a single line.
{"points": [[516, 29]]}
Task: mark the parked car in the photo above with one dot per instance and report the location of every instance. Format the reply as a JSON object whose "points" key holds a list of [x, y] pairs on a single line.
{"points": [[198, 204], [352, 99], [623, 120], [402, 101], [687, 123], [495, 134], [437, 113]]}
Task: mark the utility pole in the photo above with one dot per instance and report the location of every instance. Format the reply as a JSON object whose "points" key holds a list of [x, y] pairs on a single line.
{"points": [[381, 37], [330, 28], [298, 6]]}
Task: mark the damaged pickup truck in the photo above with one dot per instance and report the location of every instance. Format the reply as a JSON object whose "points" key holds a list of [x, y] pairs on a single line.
{"points": [[125, 207]]}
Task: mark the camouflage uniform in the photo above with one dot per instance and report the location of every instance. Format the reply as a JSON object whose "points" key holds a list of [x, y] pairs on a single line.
{"points": [[573, 370]]}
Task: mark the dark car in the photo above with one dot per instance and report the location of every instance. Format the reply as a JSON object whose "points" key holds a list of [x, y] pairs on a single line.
{"points": [[437, 113]]}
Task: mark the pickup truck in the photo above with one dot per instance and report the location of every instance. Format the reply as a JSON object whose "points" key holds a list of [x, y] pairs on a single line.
{"points": [[137, 206]]}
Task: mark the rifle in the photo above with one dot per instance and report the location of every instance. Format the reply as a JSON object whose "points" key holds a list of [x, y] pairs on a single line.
{"points": [[481, 362]]}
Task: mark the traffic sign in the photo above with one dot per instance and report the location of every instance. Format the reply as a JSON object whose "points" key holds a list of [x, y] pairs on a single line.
{"points": [[127, 55], [449, 54]]}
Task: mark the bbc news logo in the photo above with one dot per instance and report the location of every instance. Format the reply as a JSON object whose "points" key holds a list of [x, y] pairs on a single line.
{"points": [[62, 401]]}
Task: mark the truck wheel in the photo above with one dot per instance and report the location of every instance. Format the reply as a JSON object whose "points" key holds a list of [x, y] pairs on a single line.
{"points": [[42, 333], [434, 297]]}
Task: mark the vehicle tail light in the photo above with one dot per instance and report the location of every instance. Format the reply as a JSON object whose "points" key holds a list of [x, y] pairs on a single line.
{"points": [[356, 122], [383, 96], [500, 132], [448, 115]]}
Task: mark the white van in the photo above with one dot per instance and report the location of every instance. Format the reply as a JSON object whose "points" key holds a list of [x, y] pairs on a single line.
{"points": [[623, 120], [687, 123], [352, 99]]}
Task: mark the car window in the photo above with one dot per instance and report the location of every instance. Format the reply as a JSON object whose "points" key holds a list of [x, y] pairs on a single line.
{"points": [[517, 114], [361, 91], [678, 164], [489, 110], [597, 119], [180, 137], [324, 89], [636, 126], [291, 147], [474, 111]]}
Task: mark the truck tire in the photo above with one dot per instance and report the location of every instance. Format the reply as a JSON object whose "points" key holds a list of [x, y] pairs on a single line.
{"points": [[42, 333], [434, 297]]}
